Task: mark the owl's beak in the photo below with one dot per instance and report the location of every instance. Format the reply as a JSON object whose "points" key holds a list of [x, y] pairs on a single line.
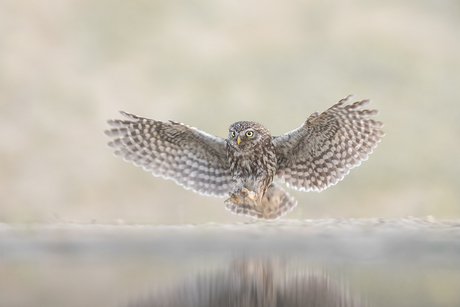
{"points": [[238, 140]]}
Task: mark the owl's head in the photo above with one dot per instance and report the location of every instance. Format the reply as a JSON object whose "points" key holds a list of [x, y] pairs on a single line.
{"points": [[246, 134]]}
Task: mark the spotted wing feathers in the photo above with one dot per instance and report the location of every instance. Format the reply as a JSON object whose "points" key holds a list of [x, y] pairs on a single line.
{"points": [[323, 150], [192, 158]]}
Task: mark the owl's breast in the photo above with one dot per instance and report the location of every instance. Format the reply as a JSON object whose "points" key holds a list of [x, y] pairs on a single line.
{"points": [[247, 166], [253, 164], [242, 164]]}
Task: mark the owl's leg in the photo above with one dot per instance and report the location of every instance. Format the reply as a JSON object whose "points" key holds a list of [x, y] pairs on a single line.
{"points": [[235, 194], [251, 195], [257, 192], [235, 198]]}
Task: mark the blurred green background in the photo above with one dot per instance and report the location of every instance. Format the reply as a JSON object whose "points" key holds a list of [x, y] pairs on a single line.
{"points": [[68, 66]]}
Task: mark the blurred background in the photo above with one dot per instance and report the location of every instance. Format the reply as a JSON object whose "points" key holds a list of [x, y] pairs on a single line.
{"points": [[66, 66]]}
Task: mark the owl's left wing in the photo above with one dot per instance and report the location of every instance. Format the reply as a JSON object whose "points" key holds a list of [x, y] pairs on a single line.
{"points": [[322, 151], [192, 158]]}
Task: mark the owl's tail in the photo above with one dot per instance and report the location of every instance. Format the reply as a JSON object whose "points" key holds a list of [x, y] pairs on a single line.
{"points": [[275, 203]]}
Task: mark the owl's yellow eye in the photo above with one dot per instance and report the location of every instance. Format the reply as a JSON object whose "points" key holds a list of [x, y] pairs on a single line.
{"points": [[249, 134], [233, 133]]}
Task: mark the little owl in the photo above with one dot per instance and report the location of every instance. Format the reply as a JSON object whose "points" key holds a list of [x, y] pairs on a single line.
{"points": [[312, 157]]}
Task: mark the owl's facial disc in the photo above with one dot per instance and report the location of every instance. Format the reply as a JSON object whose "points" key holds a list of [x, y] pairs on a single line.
{"points": [[244, 135], [247, 135]]}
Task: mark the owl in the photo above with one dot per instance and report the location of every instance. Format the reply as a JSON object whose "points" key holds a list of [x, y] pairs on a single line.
{"points": [[243, 166]]}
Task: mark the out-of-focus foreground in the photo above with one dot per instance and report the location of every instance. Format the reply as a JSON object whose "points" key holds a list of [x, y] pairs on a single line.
{"points": [[321, 263], [68, 66]]}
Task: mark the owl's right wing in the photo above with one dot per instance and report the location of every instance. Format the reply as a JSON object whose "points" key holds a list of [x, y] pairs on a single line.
{"points": [[192, 158], [323, 150]]}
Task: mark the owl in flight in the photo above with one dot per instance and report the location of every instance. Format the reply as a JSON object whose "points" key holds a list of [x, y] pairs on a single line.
{"points": [[242, 167]]}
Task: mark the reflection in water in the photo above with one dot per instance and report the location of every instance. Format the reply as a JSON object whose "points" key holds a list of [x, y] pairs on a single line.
{"points": [[254, 282]]}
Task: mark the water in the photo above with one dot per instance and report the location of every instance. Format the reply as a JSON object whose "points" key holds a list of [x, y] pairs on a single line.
{"points": [[288, 263]]}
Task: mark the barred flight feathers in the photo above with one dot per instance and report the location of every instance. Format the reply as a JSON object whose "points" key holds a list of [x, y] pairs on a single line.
{"points": [[322, 151], [312, 157], [192, 158]]}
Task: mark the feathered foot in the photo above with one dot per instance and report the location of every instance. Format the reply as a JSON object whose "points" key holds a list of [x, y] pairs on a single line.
{"points": [[275, 203]]}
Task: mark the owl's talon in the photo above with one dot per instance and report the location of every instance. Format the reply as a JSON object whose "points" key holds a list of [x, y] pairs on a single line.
{"points": [[235, 198], [248, 194], [251, 156], [243, 196]]}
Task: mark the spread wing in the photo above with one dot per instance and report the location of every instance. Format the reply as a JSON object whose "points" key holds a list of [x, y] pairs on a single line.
{"points": [[192, 158], [323, 150]]}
